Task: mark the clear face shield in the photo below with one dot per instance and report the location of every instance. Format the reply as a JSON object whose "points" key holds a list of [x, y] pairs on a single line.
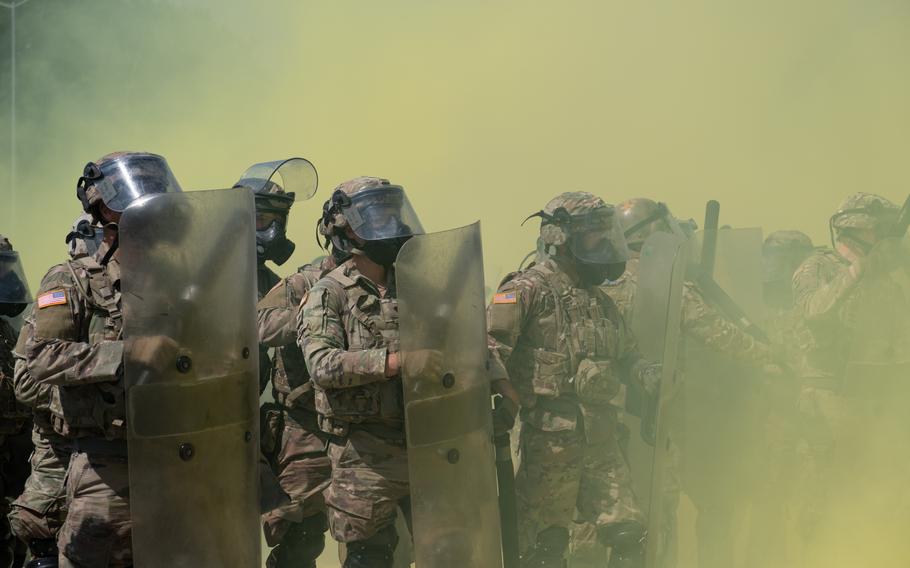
{"points": [[381, 213], [597, 238], [13, 285], [296, 177], [124, 179]]}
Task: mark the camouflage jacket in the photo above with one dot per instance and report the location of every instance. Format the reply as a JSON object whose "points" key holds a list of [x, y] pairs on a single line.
{"points": [[700, 321], [72, 340], [851, 318], [277, 319], [13, 415], [346, 330], [566, 349]]}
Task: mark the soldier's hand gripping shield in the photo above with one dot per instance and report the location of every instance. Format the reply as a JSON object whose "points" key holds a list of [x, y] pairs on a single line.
{"points": [[447, 405], [656, 325], [190, 371]]}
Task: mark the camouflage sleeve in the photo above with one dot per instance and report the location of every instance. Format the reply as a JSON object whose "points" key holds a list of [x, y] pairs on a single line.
{"points": [[633, 367], [506, 316], [322, 338], [27, 391], [54, 349], [704, 323], [819, 287], [276, 317]]}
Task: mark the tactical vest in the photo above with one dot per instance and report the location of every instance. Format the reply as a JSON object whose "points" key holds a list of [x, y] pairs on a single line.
{"points": [[369, 322], [573, 324], [291, 386], [97, 409]]}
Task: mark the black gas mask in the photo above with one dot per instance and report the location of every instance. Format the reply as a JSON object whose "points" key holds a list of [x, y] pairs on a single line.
{"points": [[272, 243]]}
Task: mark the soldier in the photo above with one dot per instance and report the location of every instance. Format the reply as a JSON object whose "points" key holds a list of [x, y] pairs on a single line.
{"points": [[854, 301], [14, 418], [782, 254], [74, 342], [291, 438], [39, 512], [348, 332], [567, 349], [701, 323]]}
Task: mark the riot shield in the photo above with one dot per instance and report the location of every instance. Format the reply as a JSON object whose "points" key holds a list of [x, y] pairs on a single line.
{"points": [[717, 436], [294, 175], [190, 364], [13, 285], [656, 325], [448, 417]]}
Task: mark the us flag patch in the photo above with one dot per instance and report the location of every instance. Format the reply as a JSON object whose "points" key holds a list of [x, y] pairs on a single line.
{"points": [[505, 298], [54, 298]]}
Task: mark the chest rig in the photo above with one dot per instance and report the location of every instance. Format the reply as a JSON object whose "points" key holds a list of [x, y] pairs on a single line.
{"points": [[369, 322], [574, 324], [291, 386], [98, 408]]}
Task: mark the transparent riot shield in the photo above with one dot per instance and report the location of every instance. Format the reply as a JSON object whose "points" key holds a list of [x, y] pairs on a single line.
{"points": [[448, 416], [294, 175], [190, 371], [717, 439], [656, 324], [13, 285]]}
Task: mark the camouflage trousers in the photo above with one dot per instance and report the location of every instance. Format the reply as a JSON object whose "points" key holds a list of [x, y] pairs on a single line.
{"points": [[563, 479], [39, 512], [304, 471], [97, 529], [369, 483]]}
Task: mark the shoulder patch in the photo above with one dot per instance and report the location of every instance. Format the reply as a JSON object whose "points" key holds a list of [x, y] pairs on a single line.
{"points": [[505, 298], [52, 298]]}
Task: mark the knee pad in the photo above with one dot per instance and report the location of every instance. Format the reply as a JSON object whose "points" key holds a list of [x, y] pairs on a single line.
{"points": [[301, 545], [626, 541], [50, 562]]}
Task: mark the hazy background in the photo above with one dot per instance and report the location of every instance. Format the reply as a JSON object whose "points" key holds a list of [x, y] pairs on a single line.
{"points": [[482, 109]]}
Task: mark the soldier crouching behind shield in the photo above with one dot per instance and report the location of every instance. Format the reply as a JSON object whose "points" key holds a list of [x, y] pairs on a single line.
{"points": [[567, 349], [348, 331], [75, 343]]}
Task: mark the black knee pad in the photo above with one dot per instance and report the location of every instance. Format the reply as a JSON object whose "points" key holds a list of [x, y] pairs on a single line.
{"points": [[301, 545], [627, 543], [378, 551], [43, 563]]}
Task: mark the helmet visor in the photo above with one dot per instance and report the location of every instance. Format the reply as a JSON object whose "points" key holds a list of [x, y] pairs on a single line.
{"points": [[13, 286], [597, 237], [127, 178], [382, 213], [297, 177]]}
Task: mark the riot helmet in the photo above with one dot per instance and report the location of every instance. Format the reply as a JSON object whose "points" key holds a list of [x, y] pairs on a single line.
{"points": [[378, 214], [121, 178], [581, 228], [641, 217], [84, 238], [863, 216], [275, 186]]}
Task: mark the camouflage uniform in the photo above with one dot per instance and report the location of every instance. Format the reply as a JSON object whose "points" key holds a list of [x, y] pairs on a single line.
{"points": [[39, 512], [348, 332], [566, 349], [346, 329], [839, 437], [74, 343], [291, 439]]}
